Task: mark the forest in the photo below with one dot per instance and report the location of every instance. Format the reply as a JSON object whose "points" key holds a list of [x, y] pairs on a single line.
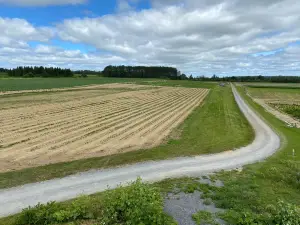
{"points": [[39, 72], [141, 72]]}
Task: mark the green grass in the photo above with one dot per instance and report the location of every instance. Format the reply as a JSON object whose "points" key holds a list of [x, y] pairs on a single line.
{"points": [[215, 127], [274, 93], [203, 217], [17, 84], [253, 194], [272, 85], [3, 75]]}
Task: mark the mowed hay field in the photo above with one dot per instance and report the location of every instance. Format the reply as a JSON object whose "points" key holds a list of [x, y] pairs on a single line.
{"points": [[50, 127]]}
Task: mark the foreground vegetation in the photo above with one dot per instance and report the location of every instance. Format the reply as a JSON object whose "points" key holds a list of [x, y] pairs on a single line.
{"points": [[138, 203], [141, 203], [216, 126]]}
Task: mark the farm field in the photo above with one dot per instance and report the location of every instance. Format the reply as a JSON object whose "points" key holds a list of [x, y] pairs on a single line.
{"points": [[85, 124], [203, 132], [282, 102], [274, 186], [272, 85], [19, 84]]}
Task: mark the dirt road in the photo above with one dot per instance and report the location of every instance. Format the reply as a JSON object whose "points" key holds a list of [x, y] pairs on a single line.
{"points": [[265, 144]]}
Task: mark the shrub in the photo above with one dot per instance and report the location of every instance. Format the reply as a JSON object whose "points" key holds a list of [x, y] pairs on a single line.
{"points": [[137, 204], [52, 213], [204, 217], [40, 214], [287, 214]]}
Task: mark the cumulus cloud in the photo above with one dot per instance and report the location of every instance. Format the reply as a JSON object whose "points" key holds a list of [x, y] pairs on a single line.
{"points": [[198, 36], [41, 2], [47, 55], [193, 35], [17, 32]]}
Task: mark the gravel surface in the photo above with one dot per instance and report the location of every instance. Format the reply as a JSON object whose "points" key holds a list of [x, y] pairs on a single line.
{"points": [[182, 206], [266, 142]]}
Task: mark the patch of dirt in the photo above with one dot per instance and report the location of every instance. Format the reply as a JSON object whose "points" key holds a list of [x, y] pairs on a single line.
{"points": [[91, 125]]}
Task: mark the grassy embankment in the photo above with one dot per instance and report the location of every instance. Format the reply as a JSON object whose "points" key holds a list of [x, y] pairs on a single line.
{"points": [[216, 126]]}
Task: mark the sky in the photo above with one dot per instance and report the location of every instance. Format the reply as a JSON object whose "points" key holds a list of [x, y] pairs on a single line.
{"points": [[199, 37]]}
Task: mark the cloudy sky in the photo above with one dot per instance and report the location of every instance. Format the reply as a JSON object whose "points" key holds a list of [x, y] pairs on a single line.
{"points": [[202, 37]]}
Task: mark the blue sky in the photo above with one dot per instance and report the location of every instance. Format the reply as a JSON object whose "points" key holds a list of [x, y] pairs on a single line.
{"points": [[201, 37]]}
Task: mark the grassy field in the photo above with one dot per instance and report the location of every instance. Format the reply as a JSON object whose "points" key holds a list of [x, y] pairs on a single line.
{"points": [[274, 93], [18, 84], [272, 85], [216, 126]]}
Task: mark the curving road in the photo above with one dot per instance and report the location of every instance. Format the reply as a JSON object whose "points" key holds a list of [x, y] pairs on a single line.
{"points": [[266, 142]]}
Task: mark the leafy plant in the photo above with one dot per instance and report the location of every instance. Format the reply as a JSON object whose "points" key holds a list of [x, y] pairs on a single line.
{"points": [[52, 213], [287, 214], [204, 217], [137, 204]]}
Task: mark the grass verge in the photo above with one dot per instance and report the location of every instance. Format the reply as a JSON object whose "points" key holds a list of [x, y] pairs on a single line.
{"points": [[216, 126]]}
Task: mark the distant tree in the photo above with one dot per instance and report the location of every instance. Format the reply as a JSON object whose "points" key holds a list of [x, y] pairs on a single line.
{"points": [[39, 72], [141, 72], [30, 74]]}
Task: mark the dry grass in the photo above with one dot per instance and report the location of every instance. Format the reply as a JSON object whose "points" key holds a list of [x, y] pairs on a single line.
{"points": [[82, 124]]}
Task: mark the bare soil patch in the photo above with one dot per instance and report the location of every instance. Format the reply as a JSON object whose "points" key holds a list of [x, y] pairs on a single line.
{"points": [[90, 122]]}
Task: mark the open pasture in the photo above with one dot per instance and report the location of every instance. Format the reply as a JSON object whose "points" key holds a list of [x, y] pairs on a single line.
{"points": [[43, 129]]}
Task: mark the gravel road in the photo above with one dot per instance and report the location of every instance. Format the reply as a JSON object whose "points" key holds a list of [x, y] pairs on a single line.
{"points": [[266, 142]]}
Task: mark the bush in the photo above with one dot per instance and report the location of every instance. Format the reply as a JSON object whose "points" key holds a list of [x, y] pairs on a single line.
{"points": [[40, 214], [137, 204], [287, 214], [52, 213]]}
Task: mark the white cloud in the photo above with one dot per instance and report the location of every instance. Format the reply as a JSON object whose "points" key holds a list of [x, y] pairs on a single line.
{"points": [[197, 36], [56, 56], [16, 33], [41, 2], [210, 36]]}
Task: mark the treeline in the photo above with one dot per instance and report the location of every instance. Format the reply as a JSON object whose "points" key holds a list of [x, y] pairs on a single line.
{"points": [[87, 72], [141, 72], [39, 72], [3, 70], [260, 78]]}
